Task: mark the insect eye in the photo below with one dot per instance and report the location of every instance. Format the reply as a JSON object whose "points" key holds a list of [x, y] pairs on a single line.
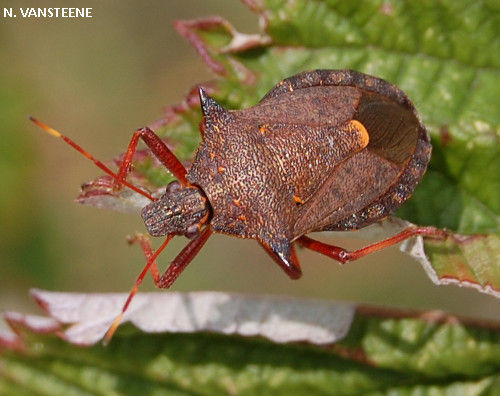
{"points": [[173, 187]]}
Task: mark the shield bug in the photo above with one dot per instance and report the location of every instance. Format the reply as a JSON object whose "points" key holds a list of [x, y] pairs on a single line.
{"points": [[325, 150]]}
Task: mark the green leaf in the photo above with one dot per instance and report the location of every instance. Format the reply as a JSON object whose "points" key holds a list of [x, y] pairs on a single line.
{"points": [[385, 352], [467, 261]]}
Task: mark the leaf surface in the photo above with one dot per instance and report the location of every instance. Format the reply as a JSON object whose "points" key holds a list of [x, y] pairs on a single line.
{"points": [[384, 352]]}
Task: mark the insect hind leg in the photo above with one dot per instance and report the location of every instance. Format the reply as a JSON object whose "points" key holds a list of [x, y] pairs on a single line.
{"points": [[344, 256]]}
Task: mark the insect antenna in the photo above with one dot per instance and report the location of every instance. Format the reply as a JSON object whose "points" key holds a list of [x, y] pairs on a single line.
{"points": [[53, 132]]}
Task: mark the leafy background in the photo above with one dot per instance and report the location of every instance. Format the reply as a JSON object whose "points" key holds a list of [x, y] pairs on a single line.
{"points": [[97, 80]]}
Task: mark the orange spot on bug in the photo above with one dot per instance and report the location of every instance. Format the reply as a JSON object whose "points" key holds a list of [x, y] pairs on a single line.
{"points": [[297, 199], [357, 126]]}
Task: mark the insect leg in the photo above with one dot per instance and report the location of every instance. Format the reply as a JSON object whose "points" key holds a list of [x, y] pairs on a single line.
{"points": [[343, 256], [150, 266], [145, 243], [176, 267], [168, 278], [182, 260], [158, 148]]}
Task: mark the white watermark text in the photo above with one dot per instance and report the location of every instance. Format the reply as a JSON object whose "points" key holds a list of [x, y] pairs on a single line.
{"points": [[52, 12]]}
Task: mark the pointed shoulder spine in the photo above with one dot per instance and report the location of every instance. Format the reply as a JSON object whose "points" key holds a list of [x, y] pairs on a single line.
{"points": [[209, 105]]}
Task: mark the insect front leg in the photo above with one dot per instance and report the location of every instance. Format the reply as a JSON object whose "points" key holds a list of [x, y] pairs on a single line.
{"points": [[158, 148], [169, 276], [183, 259], [176, 266], [145, 243], [344, 256]]}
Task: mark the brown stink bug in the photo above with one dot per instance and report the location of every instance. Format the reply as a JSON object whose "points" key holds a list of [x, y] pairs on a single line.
{"points": [[324, 150]]}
